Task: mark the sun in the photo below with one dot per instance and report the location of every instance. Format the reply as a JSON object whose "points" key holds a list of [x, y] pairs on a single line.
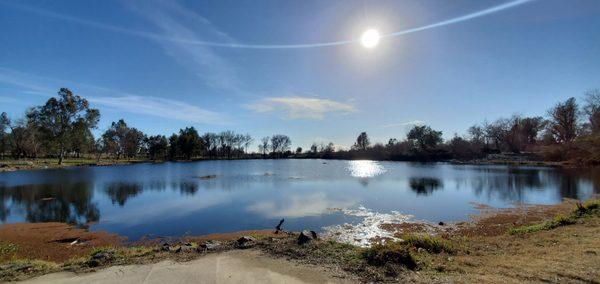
{"points": [[370, 38]]}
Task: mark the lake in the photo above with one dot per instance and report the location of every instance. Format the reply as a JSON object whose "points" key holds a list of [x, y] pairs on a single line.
{"points": [[172, 199]]}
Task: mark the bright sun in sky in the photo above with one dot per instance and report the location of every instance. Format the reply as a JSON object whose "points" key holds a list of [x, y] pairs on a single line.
{"points": [[370, 38]]}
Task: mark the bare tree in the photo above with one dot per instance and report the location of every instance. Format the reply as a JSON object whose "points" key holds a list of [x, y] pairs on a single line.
{"points": [[592, 109], [264, 146], [280, 143], [563, 121], [4, 126]]}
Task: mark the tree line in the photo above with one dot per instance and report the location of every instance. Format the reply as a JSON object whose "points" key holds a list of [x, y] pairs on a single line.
{"points": [[63, 127], [569, 131]]}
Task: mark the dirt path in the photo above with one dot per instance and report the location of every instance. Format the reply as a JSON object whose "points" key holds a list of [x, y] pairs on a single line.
{"points": [[239, 266]]}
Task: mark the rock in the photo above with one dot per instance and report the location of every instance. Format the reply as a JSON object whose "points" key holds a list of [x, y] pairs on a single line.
{"points": [[306, 236], [314, 235], [104, 255], [185, 248], [211, 245], [245, 242], [441, 223], [101, 257], [165, 247]]}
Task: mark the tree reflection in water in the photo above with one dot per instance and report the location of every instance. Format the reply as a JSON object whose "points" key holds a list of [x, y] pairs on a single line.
{"points": [[425, 185], [67, 203]]}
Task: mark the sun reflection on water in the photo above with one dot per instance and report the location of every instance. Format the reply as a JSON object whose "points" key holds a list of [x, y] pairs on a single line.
{"points": [[365, 168]]}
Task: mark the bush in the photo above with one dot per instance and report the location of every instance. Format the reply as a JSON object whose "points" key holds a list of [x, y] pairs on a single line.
{"points": [[391, 252], [431, 244]]}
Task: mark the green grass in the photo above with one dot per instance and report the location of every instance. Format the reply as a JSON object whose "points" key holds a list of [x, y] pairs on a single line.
{"points": [[583, 210], [558, 221]]}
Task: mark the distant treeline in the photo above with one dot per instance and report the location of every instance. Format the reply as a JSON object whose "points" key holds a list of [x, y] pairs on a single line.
{"points": [[568, 132], [62, 127]]}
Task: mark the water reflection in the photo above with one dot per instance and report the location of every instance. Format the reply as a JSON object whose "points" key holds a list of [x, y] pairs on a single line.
{"points": [[119, 192], [425, 186], [170, 199], [69, 203], [311, 204], [365, 169]]}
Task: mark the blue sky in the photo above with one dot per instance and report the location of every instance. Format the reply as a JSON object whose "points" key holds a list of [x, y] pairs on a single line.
{"points": [[148, 62]]}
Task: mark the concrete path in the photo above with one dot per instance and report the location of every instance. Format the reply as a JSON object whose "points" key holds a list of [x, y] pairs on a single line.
{"points": [[245, 266]]}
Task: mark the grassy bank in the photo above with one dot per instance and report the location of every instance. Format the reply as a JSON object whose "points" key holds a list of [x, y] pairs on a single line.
{"points": [[7, 165], [557, 248]]}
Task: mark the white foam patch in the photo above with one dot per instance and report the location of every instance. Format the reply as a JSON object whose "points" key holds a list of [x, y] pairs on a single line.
{"points": [[362, 233]]}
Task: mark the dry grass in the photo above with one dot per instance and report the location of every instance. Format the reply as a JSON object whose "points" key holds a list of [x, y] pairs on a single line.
{"points": [[566, 254]]}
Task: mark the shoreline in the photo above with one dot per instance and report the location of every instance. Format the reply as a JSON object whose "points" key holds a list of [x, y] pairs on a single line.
{"points": [[47, 164], [453, 252]]}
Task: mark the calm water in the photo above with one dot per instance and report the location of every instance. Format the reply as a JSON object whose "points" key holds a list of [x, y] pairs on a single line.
{"points": [[170, 200]]}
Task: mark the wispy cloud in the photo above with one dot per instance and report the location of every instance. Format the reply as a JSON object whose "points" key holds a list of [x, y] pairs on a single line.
{"points": [[185, 36], [117, 100], [175, 21], [301, 107], [403, 124], [32, 85], [161, 108]]}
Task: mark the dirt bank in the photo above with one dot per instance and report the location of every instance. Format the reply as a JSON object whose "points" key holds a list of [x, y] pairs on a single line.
{"points": [[57, 242]]}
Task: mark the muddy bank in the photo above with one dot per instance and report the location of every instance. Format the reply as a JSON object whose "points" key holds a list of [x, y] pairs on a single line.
{"points": [[489, 222], [57, 242]]}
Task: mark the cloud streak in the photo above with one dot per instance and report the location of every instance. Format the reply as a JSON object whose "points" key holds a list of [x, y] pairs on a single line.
{"points": [[301, 107], [402, 124], [195, 41], [161, 108], [173, 20]]}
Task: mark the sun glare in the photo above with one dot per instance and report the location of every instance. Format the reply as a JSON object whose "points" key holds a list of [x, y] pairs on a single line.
{"points": [[370, 38]]}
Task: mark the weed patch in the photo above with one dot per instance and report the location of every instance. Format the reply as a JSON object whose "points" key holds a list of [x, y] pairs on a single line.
{"points": [[391, 252], [430, 243], [588, 208]]}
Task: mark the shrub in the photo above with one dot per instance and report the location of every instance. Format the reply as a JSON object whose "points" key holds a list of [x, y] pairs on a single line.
{"points": [[430, 243], [391, 252], [558, 221]]}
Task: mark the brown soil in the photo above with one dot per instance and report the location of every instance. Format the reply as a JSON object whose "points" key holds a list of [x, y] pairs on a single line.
{"points": [[52, 241], [494, 222], [489, 222]]}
